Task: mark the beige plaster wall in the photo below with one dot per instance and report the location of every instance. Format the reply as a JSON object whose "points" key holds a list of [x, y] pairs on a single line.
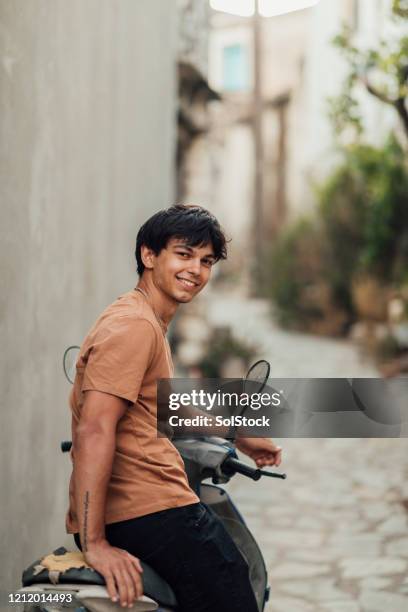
{"points": [[87, 129]]}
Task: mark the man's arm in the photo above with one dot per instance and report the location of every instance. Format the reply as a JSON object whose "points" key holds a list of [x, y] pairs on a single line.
{"points": [[94, 448]]}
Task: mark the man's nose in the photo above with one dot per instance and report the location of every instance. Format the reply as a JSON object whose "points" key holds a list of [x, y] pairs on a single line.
{"points": [[194, 266]]}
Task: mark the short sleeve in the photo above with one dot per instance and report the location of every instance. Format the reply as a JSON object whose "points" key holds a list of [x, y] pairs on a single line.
{"points": [[119, 357]]}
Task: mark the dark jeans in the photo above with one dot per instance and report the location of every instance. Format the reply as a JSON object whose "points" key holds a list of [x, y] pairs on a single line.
{"points": [[190, 548]]}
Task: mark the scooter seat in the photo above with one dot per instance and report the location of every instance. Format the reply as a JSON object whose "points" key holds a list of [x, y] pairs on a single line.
{"points": [[93, 598], [63, 567]]}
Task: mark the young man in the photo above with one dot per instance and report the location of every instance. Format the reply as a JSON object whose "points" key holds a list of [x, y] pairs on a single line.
{"points": [[129, 494]]}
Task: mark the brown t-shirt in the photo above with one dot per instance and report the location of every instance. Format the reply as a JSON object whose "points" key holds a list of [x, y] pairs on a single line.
{"points": [[124, 354]]}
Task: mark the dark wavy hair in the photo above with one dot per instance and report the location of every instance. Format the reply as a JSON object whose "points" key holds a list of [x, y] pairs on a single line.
{"points": [[193, 224]]}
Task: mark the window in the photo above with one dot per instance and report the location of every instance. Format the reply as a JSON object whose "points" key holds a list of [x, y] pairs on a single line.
{"points": [[235, 74]]}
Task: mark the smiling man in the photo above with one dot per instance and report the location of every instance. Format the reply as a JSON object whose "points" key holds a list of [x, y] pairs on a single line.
{"points": [[129, 493]]}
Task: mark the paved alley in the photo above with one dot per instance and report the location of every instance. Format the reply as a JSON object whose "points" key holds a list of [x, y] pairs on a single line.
{"points": [[335, 533]]}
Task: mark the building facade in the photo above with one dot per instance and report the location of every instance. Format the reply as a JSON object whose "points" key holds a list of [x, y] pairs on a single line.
{"points": [[272, 139]]}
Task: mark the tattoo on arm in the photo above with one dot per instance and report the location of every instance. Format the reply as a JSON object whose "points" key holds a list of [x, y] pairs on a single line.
{"points": [[86, 507]]}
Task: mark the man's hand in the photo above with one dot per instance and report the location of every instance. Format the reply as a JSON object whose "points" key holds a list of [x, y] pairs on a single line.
{"points": [[262, 450], [121, 570]]}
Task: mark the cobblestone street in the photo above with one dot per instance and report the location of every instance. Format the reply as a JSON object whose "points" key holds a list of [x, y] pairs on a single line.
{"points": [[335, 533], [291, 354]]}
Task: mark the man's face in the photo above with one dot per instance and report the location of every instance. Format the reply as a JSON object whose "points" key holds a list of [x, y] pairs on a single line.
{"points": [[182, 271]]}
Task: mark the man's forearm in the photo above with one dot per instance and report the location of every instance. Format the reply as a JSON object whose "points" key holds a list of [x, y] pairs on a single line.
{"points": [[93, 460]]}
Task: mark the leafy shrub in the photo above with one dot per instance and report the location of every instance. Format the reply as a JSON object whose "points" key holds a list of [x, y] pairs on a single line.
{"points": [[294, 264], [364, 210], [223, 345], [360, 228]]}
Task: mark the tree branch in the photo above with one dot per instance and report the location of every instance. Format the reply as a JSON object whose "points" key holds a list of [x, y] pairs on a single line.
{"points": [[398, 103], [374, 92], [403, 113]]}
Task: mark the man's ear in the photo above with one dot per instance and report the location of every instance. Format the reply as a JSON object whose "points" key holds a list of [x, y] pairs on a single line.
{"points": [[147, 256]]}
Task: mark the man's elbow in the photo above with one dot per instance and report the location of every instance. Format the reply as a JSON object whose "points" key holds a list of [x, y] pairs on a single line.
{"points": [[94, 434]]}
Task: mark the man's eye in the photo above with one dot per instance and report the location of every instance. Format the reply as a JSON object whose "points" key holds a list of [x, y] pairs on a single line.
{"points": [[182, 254], [208, 262]]}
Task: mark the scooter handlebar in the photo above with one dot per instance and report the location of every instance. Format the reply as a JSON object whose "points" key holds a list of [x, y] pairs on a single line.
{"points": [[231, 466]]}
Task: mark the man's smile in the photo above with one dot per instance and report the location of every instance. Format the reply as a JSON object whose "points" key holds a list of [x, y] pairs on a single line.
{"points": [[186, 282]]}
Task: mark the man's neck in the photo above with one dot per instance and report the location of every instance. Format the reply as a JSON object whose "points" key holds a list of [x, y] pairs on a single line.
{"points": [[163, 306]]}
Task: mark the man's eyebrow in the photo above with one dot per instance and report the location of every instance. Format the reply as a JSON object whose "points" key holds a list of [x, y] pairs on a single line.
{"points": [[183, 245]]}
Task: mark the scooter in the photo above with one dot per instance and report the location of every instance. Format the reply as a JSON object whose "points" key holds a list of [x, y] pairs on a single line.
{"points": [[83, 589]]}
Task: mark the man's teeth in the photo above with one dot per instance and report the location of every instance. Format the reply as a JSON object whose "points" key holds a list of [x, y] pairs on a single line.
{"points": [[186, 282]]}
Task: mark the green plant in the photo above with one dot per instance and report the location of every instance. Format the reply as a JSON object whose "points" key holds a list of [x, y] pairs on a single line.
{"points": [[223, 345], [364, 210], [382, 71], [294, 263], [360, 227]]}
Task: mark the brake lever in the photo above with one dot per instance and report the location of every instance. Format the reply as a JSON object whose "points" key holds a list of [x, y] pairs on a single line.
{"points": [[272, 474]]}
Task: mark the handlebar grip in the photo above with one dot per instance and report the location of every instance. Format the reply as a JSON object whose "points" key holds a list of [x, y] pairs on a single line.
{"points": [[66, 446], [232, 466]]}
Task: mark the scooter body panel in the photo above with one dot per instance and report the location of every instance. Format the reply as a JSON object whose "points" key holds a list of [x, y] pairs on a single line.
{"points": [[221, 503]]}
